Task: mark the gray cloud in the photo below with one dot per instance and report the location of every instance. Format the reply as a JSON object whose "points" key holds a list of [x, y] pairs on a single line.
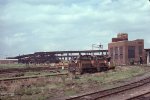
{"points": [[28, 26]]}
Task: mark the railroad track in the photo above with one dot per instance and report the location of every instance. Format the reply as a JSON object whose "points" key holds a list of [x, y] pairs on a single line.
{"points": [[29, 77], [106, 93], [12, 70], [144, 96]]}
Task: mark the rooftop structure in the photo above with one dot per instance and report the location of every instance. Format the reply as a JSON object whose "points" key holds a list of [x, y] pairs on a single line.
{"points": [[120, 37]]}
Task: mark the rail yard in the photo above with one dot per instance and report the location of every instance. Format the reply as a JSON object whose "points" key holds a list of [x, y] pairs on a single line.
{"points": [[114, 74], [74, 50], [51, 84]]}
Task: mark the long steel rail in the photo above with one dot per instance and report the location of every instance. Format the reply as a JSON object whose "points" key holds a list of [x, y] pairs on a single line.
{"points": [[141, 97], [105, 93], [29, 77]]}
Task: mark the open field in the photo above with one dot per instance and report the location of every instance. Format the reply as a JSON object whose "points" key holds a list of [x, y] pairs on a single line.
{"points": [[58, 86]]}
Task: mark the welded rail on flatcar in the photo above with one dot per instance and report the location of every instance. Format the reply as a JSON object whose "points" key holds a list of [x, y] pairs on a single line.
{"points": [[11, 70], [33, 76]]}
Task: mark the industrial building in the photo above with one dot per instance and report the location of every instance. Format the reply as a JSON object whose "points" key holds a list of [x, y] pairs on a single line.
{"points": [[8, 61], [125, 52]]}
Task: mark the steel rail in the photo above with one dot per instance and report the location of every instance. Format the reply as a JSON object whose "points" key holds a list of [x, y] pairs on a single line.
{"points": [[33, 76], [108, 92], [139, 96]]}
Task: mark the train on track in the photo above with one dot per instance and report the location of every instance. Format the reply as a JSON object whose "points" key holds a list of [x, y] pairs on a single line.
{"points": [[90, 63]]}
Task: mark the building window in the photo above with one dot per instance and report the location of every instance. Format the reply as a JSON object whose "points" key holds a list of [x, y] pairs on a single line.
{"points": [[116, 52], [121, 52], [131, 51], [140, 50], [111, 52]]}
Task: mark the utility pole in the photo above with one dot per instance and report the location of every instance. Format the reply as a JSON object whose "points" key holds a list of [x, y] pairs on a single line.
{"points": [[100, 46]]}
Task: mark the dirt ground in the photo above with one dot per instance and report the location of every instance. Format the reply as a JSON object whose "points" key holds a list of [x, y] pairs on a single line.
{"points": [[53, 87]]}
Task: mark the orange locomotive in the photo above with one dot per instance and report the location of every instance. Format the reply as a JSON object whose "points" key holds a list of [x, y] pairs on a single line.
{"points": [[90, 63]]}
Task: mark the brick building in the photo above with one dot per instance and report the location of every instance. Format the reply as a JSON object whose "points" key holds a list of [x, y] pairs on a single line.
{"points": [[124, 52]]}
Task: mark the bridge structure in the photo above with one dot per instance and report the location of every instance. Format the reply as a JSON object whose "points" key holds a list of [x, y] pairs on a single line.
{"points": [[54, 56], [67, 55]]}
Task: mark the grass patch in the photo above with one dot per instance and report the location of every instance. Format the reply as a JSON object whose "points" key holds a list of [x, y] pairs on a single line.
{"points": [[110, 76], [6, 66], [69, 92]]}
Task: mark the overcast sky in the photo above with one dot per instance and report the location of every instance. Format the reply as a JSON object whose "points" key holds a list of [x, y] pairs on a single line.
{"points": [[28, 26]]}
